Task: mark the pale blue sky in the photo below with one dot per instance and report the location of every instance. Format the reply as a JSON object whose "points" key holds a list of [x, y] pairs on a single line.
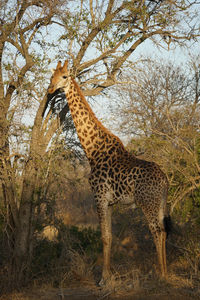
{"points": [[179, 56]]}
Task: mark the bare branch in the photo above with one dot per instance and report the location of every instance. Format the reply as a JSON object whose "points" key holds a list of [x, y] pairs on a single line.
{"points": [[92, 13], [106, 54], [99, 27]]}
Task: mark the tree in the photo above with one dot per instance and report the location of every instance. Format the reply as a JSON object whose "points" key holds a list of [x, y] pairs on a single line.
{"points": [[99, 37], [23, 146], [160, 111]]}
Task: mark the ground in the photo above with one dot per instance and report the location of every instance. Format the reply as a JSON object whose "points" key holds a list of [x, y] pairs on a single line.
{"points": [[173, 288], [80, 293]]}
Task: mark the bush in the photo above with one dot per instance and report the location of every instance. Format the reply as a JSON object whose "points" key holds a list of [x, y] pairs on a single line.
{"points": [[53, 260], [87, 240]]}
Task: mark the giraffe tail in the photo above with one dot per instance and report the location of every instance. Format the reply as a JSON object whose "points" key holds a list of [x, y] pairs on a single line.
{"points": [[167, 224], [166, 218]]}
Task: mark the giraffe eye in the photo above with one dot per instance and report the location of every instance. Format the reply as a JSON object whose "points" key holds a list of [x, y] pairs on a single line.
{"points": [[64, 77]]}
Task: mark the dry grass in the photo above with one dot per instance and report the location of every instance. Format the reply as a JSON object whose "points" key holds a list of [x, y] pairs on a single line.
{"points": [[15, 296], [122, 285], [79, 283], [80, 269]]}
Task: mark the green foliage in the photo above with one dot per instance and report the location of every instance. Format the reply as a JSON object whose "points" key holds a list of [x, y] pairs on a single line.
{"points": [[45, 256], [49, 256], [189, 209], [85, 240], [188, 247]]}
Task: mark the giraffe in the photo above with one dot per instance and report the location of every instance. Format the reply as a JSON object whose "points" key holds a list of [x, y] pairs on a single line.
{"points": [[116, 176]]}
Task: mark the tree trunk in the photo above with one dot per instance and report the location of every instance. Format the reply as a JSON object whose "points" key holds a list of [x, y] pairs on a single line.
{"points": [[22, 246], [24, 230]]}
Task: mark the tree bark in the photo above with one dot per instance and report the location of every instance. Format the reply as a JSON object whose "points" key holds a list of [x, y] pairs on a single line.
{"points": [[24, 228]]}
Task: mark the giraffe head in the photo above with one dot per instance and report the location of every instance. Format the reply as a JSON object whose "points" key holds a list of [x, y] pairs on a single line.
{"points": [[60, 78]]}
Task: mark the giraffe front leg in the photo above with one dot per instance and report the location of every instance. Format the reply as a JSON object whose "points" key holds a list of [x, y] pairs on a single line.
{"points": [[106, 235]]}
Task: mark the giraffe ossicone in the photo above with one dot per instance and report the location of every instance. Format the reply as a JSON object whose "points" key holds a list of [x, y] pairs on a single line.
{"points": [[117, 176]]}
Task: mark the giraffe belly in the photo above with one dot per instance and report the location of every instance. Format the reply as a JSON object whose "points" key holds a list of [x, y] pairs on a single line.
{"points": [[124, 199], [123, 189], [113, 191]]}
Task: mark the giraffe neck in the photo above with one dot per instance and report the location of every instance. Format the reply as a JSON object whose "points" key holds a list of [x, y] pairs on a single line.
{"points": [[94, 137]]}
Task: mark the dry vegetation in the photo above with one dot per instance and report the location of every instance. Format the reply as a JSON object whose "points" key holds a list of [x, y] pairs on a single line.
{"points": [[69, 265]]}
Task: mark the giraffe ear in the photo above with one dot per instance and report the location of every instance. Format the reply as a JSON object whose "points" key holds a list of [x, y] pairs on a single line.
{"points": [[65, 65], [58, 65], [52, 71]]}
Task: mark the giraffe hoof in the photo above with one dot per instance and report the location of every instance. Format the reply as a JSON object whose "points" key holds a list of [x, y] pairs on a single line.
{"points": [[107, 282], [104, 282], [101, 282]]}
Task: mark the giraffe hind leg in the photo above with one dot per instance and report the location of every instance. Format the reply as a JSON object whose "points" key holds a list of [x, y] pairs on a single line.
{"points": [[160, 235], [159, 228], [162, 245], [160, 241]]}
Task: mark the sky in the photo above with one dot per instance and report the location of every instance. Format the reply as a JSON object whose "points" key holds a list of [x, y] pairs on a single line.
{"points": [[179, 56]]}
